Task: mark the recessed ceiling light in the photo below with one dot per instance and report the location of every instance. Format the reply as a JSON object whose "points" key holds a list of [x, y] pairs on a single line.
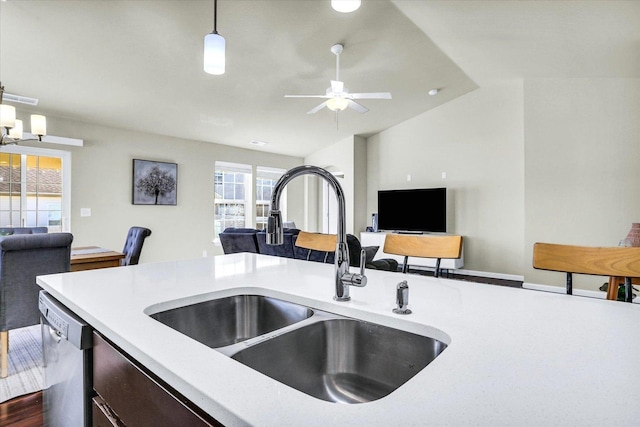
{"points": [[433, 92], [345, 6], [256, 142]]}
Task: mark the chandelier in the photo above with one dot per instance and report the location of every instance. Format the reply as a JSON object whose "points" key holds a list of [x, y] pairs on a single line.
{"points": [[12, 129]]}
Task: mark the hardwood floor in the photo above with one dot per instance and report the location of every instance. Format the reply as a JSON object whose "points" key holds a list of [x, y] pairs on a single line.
{"points": [[466, 278], [22, 411]]}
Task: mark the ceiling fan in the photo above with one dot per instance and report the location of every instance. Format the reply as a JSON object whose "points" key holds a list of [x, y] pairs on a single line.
{"points": [[337, 96]]}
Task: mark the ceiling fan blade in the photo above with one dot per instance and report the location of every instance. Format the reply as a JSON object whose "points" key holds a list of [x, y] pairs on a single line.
{"points": [[306, 96], [359, 108], [337, 86], [317, 108], [370, 95]]}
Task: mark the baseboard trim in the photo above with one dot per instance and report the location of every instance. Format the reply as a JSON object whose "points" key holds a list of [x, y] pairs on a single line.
{"points": [[488, 274]]}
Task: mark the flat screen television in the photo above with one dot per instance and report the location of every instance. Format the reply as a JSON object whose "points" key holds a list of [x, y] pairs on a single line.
{"points": [[417, 210]]}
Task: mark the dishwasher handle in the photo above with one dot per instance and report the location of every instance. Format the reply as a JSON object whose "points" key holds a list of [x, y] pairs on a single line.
{"points": [[65, 324], [55, 334]]}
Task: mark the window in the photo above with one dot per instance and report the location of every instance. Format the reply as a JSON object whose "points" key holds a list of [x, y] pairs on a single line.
{"points": [[34, 188], [232, 198], [265, 181]]}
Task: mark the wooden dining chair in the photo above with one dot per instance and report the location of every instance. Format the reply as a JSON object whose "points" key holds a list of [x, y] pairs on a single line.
{"points": [[615, 262], [423, 246], [317, 241]]}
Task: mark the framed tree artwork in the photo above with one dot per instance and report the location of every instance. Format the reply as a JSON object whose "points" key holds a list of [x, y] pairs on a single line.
{"points": [[154, 183]]}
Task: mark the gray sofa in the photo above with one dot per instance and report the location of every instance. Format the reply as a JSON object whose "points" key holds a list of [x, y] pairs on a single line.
{"points": [[251, 240]]}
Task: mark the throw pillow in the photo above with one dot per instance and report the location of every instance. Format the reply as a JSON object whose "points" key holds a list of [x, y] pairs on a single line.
{"points": [[369, 253]]}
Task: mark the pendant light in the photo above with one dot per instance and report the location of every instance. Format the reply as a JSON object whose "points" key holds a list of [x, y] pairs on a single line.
{"points": [[214, 47]]}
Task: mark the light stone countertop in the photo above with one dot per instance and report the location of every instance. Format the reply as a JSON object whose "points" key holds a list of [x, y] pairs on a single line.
{"points": [[515, 357]]}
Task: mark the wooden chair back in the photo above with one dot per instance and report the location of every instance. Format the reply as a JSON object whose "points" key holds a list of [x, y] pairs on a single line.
{"points": [[613, 261], [317, 241], [423, 246]]}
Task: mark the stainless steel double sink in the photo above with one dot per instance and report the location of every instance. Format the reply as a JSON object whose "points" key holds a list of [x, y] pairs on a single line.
{"points": [[325, 355]]}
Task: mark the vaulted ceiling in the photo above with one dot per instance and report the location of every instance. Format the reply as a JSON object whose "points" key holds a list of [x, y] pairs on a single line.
{"points": [[138, 64]]}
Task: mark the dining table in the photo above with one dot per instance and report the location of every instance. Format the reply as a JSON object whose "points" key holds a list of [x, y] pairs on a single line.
{"points": [[94, 257]]}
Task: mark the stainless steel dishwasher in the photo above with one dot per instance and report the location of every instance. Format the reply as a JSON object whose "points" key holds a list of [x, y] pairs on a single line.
{"points": [[66, 341]]}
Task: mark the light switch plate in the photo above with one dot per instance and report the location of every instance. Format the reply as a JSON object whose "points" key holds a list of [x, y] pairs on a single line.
{"points": [[85, 211]]}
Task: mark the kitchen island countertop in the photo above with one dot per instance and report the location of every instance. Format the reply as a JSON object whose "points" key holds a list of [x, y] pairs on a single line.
{"points": [[515, 357]]}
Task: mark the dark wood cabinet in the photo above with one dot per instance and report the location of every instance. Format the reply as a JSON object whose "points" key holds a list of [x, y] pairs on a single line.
{"points": [[102, 414], [128, 394]]}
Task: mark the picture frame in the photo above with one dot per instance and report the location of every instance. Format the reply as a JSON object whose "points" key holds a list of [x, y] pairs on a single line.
{"points": [[154, 183]]}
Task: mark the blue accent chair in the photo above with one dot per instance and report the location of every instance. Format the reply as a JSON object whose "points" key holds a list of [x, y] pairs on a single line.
{"points": [[133, 245], [22, 258]]}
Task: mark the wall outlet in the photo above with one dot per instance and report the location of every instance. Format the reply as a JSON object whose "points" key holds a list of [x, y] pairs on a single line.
{"points": [[85, 211], [444, 175]]}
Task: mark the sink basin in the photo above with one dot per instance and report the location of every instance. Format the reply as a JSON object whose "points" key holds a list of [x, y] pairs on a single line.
{"points": [[342, 360], [226, 321], [325, 355]]}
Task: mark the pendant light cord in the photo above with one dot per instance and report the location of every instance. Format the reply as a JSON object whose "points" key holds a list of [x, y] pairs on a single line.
{"points": [[215, 16]]}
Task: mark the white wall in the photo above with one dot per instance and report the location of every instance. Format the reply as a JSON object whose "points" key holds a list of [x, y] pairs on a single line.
{"points": [[478, 140], [101, 180], [343, 156], [361, 217], [550, 160], [582, 179]]}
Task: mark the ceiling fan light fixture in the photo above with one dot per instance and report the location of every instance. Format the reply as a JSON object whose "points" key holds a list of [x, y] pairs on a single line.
{"points": [[337, 104], [214, 48], [345, 6], [337, 95]]}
